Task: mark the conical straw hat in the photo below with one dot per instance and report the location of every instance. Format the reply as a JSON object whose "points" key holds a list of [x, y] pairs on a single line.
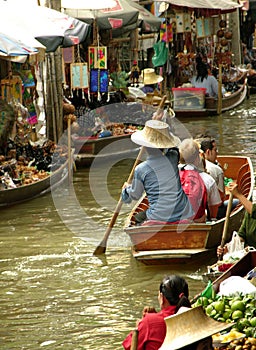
{"points": [[150, 77], [189, 327], [155, 134]]}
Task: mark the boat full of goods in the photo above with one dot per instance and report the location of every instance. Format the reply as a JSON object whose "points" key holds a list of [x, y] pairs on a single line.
{"points": [[231, 298]]}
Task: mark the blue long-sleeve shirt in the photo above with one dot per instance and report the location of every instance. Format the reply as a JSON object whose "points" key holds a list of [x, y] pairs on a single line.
{"points": [[158, 176]]}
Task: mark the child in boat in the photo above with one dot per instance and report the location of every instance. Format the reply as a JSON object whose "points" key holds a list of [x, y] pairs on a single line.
{"points": [[190, 160], [247, 230], [158, 176]]}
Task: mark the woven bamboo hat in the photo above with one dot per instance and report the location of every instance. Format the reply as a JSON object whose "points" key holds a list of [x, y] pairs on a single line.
{"points": [[190, 326], [155, 134], [149, 76]]}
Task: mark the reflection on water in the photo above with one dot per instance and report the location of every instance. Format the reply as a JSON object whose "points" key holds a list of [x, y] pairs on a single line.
{"points": [[54, 293]]}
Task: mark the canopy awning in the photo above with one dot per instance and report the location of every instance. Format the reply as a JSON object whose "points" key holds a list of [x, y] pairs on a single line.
{"points": [[212, 6], [51, 28], [125, 16], [148, 22]]}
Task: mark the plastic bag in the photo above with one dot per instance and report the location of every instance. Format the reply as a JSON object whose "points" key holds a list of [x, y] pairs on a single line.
{"points": [[236, 285], [235, 244], [235, 248], [160, 55]]}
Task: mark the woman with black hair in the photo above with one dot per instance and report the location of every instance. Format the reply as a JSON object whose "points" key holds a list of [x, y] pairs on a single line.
{"points": [[205, 80], [173, 293]]}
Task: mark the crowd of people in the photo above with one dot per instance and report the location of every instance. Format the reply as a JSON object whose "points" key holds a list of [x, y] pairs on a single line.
{"points": [[159, 176]]}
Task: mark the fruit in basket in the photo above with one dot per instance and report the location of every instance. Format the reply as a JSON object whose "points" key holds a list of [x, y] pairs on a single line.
{"points": [[219, 306], [237, 305], [239, 309], [253, 321]]}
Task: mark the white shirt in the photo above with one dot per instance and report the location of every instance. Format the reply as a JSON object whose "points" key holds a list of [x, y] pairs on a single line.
{"points": [[213, 195], [210, 83], [217, 173]]}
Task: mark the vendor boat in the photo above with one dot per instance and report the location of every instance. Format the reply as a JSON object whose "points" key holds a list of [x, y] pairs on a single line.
{"points": [[210, 106], [36, 188], [243, 267], [87, 149], [187, 243]]}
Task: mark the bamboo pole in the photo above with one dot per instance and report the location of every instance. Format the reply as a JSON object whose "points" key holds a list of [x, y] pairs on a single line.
{"points": [[52, 126], [69, 151], [55, 97], [59, 97], [219, 107]]}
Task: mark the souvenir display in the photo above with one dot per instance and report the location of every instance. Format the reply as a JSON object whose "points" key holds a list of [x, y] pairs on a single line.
{"points": [[97, 57], [99, 80], [79, 75]]}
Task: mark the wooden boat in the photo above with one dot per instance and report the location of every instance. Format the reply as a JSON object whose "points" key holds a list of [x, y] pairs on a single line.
{"points": [[211, 104], [164, 244], [24, 193], [241, 268], [87, 149]]}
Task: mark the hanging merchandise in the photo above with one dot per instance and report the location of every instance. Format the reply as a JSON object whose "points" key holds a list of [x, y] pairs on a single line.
{"points": [[11, 89], [68, 54], [187, 22], [79, 76], [180, 22], [166, 33], [28, 103], [99, 80], [97, 57], [160, 55], [7, 119], [200, 28], [208, 26]]}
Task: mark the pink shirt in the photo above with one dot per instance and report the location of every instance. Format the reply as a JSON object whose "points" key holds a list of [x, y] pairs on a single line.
{"points": [[152, 330]]}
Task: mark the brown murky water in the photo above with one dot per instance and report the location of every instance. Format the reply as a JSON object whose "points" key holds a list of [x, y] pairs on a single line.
{"points": [[54, 293]]}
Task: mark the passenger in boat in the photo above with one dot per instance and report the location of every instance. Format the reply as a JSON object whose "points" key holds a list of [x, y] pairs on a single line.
{"points": [[210, 150], [150, 80], [190, 159], [247, 230], [247, 57], [204, 80], [158, 176], [173, 294]]}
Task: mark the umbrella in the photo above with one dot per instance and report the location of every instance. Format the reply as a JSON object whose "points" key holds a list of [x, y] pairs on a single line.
{"points": [[13, 47], [148, 22], [121, 18], [214, 6], [51, 28], [88, 4]]}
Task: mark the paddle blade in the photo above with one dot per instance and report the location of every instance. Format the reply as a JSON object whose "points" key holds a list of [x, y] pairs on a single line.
{"points": [[100, 249]]}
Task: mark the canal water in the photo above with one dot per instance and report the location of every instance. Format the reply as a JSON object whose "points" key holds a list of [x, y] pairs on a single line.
{"points": [[54, 293]]}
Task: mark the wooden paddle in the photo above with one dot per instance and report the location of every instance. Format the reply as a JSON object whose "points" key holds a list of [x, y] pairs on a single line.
{"points": [[101, 248], [226, 223]]}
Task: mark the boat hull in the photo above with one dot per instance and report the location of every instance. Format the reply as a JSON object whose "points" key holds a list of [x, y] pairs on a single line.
{"points": [[240, 268], [211, 104], [103, 149], [27, 192], [181, 243]]}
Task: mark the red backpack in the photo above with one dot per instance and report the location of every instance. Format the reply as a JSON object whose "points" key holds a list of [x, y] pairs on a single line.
{"points": [[194, 187]]}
